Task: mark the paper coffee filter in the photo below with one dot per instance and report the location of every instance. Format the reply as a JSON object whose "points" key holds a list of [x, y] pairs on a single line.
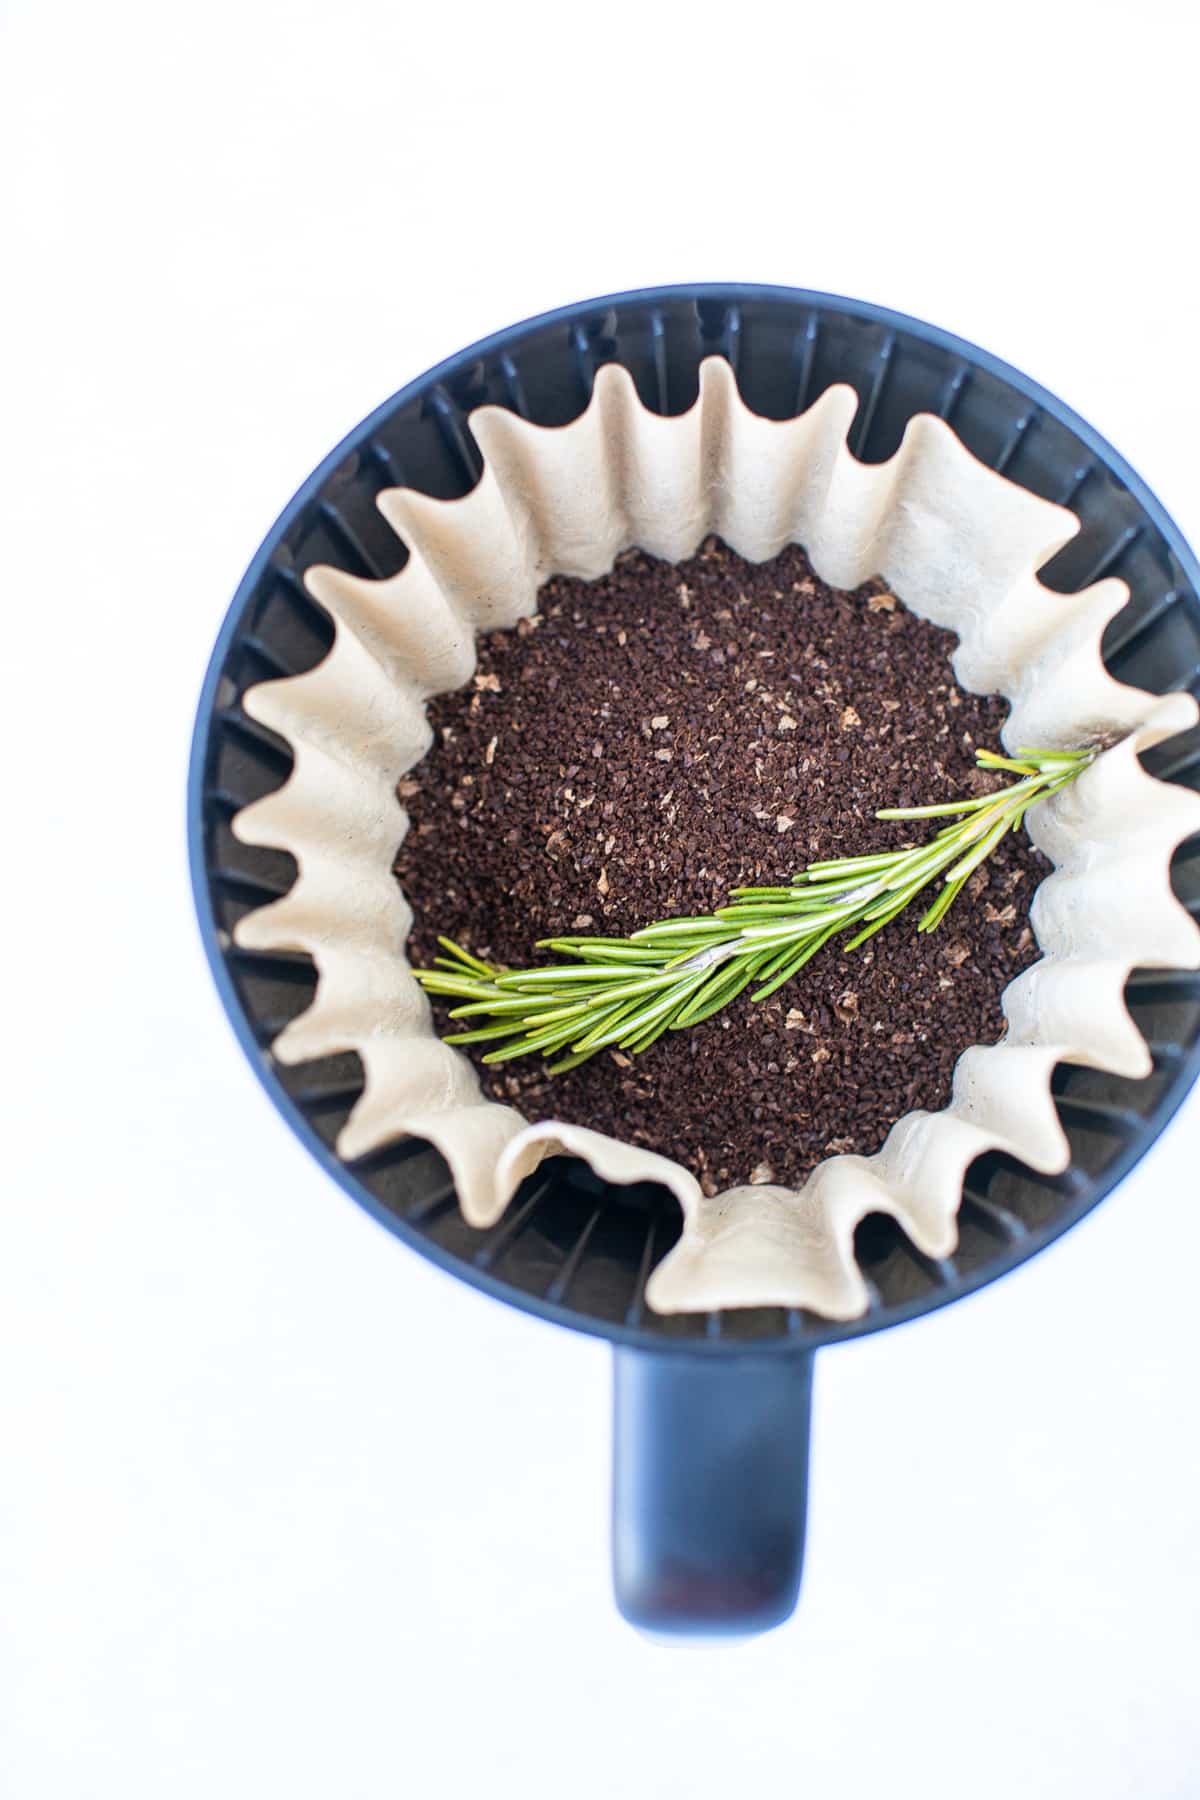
{"points": [[962, 547]]}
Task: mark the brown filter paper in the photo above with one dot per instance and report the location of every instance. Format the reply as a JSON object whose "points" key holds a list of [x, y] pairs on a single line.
{"points": [[962, 547]]}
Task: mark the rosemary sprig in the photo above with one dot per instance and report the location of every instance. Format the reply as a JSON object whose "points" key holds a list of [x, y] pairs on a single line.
{"points": [[623, 993]]}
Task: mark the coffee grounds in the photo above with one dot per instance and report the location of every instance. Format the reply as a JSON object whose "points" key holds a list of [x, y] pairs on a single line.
{"points": [[667, 732]]}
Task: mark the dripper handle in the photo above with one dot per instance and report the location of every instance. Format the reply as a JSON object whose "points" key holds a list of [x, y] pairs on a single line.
{"points": [[710, 1487]]}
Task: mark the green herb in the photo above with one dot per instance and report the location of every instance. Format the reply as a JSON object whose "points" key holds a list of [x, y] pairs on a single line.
{"points": [[623, 993]]}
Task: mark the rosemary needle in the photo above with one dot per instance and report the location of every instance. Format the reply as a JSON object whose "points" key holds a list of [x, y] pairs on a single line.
{"points": [[624, 993]]}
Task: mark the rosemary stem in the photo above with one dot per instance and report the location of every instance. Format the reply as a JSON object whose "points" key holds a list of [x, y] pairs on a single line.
{"points": [[669, 975]]}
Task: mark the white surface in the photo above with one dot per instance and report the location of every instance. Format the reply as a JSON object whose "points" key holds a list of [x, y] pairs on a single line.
{"points": [[287, 1511]]}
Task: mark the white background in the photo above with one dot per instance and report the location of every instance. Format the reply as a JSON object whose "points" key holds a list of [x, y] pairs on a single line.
{"points": [[285, 1510]]}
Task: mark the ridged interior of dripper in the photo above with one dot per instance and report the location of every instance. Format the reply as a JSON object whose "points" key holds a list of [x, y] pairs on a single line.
{"points": [[398, 641]]}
